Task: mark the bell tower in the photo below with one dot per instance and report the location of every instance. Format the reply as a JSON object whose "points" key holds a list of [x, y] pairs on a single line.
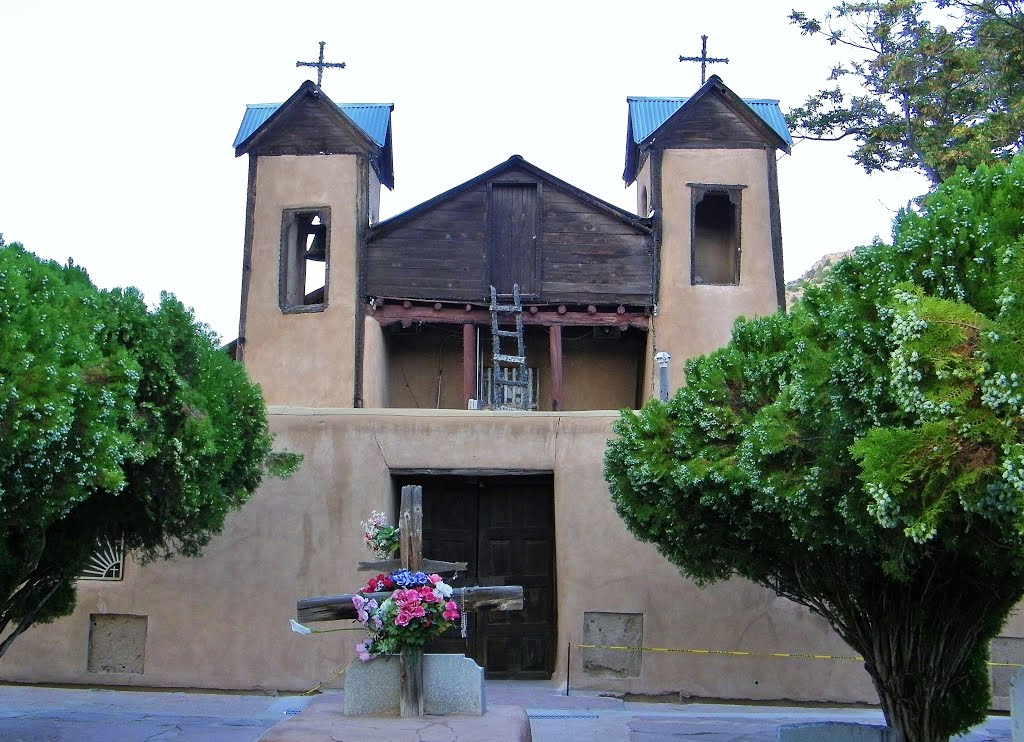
{"points": [[315, 172], [705, 169]]}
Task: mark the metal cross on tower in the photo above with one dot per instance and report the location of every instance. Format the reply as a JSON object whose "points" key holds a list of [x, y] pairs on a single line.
{"points": [[320, 65], [704, 59]]}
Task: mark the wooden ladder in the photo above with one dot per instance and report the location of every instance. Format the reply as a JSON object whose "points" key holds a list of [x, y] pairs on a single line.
{"points": [[500, 383]]}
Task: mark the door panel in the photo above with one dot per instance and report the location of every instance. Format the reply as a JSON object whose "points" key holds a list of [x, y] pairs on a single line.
{"points": [[518, 518], [504, 528], [513, 226]]}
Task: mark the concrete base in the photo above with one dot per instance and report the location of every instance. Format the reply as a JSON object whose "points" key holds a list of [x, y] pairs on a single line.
{"points": [[324, 720], [452, 684], [837, 731], [1017, 705]]}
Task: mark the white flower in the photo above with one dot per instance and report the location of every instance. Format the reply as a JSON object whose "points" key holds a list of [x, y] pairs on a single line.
{"points": [[299, 628], [444, 589]]}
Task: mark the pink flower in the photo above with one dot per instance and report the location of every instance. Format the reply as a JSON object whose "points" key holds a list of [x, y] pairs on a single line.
{"points": [[434, 579], [451, 611], [359, 603], [403, 618], [405, 597], [363, 650]]}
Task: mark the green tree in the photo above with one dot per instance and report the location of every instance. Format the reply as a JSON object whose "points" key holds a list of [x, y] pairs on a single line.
{"points": [[863, 455], [928, 95], [117, 424]]}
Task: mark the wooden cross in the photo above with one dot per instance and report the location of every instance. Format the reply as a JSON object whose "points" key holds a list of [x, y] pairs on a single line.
{"points": [[704, 59], [334, 607], [320, 64]]}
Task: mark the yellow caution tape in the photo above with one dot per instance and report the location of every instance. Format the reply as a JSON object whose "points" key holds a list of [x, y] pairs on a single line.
{"points": [[327, 682], [785, 655]]}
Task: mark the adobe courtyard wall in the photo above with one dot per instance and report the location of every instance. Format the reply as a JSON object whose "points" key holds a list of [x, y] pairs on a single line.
{"points": [[222, 621]]}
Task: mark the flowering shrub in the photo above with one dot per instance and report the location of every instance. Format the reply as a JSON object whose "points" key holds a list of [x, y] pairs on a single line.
{"points": [[378, 536], [419, 608]]}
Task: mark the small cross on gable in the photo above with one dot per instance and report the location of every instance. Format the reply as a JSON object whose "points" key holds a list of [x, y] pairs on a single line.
{"points": [[333, 607], [704, 59], [320, 65]]}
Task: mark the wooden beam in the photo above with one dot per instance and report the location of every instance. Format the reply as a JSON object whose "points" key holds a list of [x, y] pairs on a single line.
{"points": [[555, 348], [426, 565], [468, 364], [471, 473], [339, 607], [391, 314]]}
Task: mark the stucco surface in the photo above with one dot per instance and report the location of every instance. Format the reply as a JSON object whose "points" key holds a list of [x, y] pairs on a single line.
{"points": [[222, 621], [304, 357], [697, 319]]}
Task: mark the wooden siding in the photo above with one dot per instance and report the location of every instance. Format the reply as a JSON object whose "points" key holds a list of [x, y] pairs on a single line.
{"points": [[441, 254], [585, 254], [589, 256], [310, 129], [710, 123]]}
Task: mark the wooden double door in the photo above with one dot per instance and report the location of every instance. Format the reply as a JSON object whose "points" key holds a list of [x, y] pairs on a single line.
{"points": [[504, 528]]}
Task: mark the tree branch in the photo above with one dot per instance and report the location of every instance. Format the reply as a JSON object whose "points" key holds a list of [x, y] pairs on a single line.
{"points": [[27, 620]]}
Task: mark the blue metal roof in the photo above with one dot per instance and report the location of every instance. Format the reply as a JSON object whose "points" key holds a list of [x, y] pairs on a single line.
{"points": [[372, 118], [647, 114]]}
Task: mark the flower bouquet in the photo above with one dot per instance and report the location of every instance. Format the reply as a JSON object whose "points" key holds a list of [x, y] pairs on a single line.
{"points": [[378, 536], [419, 608]]}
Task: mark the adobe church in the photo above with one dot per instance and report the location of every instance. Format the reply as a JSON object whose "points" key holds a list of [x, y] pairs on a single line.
{"points": [[480, 345]]}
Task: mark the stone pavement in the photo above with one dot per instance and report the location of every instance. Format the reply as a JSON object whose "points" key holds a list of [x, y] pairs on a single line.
{"points": [[50, 714]]}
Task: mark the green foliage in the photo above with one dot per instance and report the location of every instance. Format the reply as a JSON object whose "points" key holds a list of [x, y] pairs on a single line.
{"points": [[117, 423], [864, 454], [928, 95]]}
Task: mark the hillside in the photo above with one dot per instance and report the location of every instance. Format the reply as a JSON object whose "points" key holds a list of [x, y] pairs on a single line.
{"points": [[814, 276]]}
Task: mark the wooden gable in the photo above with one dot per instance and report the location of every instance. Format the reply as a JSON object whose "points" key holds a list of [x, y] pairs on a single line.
{"points": [[514, 224], [715, 117], [713, 122], [309, 123]]}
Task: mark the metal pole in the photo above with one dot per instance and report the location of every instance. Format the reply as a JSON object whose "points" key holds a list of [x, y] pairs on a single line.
{"points": [[662, 358], [568, 659]]}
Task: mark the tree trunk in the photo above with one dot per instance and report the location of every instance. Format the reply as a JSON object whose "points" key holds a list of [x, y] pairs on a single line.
{"points": [[924, 637], [25, 621], [925, 646]]}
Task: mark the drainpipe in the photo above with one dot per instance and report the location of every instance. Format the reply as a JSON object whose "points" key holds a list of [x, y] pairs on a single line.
{"points": [[662, 358]]}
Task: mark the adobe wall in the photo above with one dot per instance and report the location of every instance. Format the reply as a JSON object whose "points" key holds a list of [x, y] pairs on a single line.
{"points": [[222, 621], [424, 370]]}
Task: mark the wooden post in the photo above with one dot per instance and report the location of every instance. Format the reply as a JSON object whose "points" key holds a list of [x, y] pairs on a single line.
{"points": [[468, 364], [555, 342], [411, 546], [410, 667], [411, 524]]}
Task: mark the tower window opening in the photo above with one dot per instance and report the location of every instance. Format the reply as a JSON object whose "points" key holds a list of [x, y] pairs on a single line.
{"points": [[715, 242], [305, 259]]}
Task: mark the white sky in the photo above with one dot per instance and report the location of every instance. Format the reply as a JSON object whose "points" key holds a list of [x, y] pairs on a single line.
{"points": [[116, 118]]}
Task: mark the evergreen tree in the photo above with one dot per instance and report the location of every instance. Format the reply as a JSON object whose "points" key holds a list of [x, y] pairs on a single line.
{"points": [[118, 424], [864, 455], [938, 83]]}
